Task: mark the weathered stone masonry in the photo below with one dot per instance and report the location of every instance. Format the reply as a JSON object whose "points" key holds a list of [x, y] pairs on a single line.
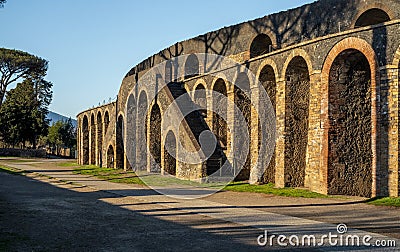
{"points": [[331, 69]]}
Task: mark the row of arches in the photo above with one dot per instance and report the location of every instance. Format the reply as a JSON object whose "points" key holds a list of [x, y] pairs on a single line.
{"points": [[349, 122], [349, 79], [263, 44], [92, 137]]}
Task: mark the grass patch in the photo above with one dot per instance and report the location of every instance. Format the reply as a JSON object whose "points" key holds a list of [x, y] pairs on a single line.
{"points": [[385, 201], [68, 164], [129, 177], [109, 174], [270, 189], [10, 170]]}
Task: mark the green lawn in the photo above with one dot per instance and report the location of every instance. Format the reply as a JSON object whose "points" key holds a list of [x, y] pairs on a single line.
{"points": [[385, 201], [129, 177], [68, 164], [121, 176], [4, 168], [109, 174], [270, 189]]}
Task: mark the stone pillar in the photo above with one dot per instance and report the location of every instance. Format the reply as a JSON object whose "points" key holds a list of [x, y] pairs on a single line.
{"points": [[90, 141], [280, 133], [209, 101], [312, 178], [162, 165], [96, 142], [393, 132], [256, 171], [230, 123], [103, 152]]}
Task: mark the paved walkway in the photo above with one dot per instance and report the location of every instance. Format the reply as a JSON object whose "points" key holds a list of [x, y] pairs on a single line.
{"points": [[242, 217]]}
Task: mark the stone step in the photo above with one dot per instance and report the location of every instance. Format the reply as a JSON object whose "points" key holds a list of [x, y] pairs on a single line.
{"points": [[197, 125]]}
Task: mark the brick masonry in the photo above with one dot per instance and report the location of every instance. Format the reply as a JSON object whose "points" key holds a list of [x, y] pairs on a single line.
{"points": [[296, 33]]}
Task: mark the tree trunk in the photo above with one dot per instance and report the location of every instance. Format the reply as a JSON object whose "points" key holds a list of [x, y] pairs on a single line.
{"points": [[2, 94], [34, 142]]}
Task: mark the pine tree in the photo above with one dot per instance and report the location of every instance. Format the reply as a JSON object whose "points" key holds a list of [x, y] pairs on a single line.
{"points": [[23, 113]]}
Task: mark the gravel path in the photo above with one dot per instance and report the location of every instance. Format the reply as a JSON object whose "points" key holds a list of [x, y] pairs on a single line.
{"points": [[41, 213]]}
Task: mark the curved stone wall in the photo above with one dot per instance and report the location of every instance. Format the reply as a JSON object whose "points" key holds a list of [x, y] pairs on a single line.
{"points": [[324, 117]]}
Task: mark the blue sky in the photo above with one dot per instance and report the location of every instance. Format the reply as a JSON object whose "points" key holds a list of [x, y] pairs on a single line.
{"points": [[92, 44]]}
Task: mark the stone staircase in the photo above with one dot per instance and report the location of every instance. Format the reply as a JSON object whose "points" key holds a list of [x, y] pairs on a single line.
{"points": [[196, 124]]}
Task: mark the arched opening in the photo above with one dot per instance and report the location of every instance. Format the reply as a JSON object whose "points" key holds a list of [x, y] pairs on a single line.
{"points": [[191, 66], [155, 138], [268, 82], [120, 142], [106, 121], [92, 140], [85, 139], [110, 157], [260, 45], [141, 157], [201, 100], [296, 121], [99, 139], [220, 127], [372, 17], [170, 154], [350, 125], [168, 72], [243, 102], [131, 131]]}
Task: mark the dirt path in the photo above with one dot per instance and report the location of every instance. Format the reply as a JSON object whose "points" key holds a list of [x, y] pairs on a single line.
{"points": [[38, 213]]}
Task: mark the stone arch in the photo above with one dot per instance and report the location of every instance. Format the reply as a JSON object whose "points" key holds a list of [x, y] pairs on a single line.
{"points": [[92, 140], [267, 78], [229, 85], [120, 142], [169, 158], [349, 136], [110, 156], [168, 72], [99, 138], [130, 134], [348, 45], [260, 45], [372, 16], [85, 139], [243, 102], [220, 107], [270, 63], [106, 121], [192, 66], [141, 136], [297, 92], [154, 142], [200, 98], [297, 53]]}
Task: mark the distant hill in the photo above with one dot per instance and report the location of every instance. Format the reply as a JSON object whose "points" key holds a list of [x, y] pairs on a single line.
{"points": [[55, 117]]}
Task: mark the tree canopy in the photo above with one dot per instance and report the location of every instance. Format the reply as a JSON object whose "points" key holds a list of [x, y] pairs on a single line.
{"points": [[15, 64], [62, 134], [23, 114]]}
